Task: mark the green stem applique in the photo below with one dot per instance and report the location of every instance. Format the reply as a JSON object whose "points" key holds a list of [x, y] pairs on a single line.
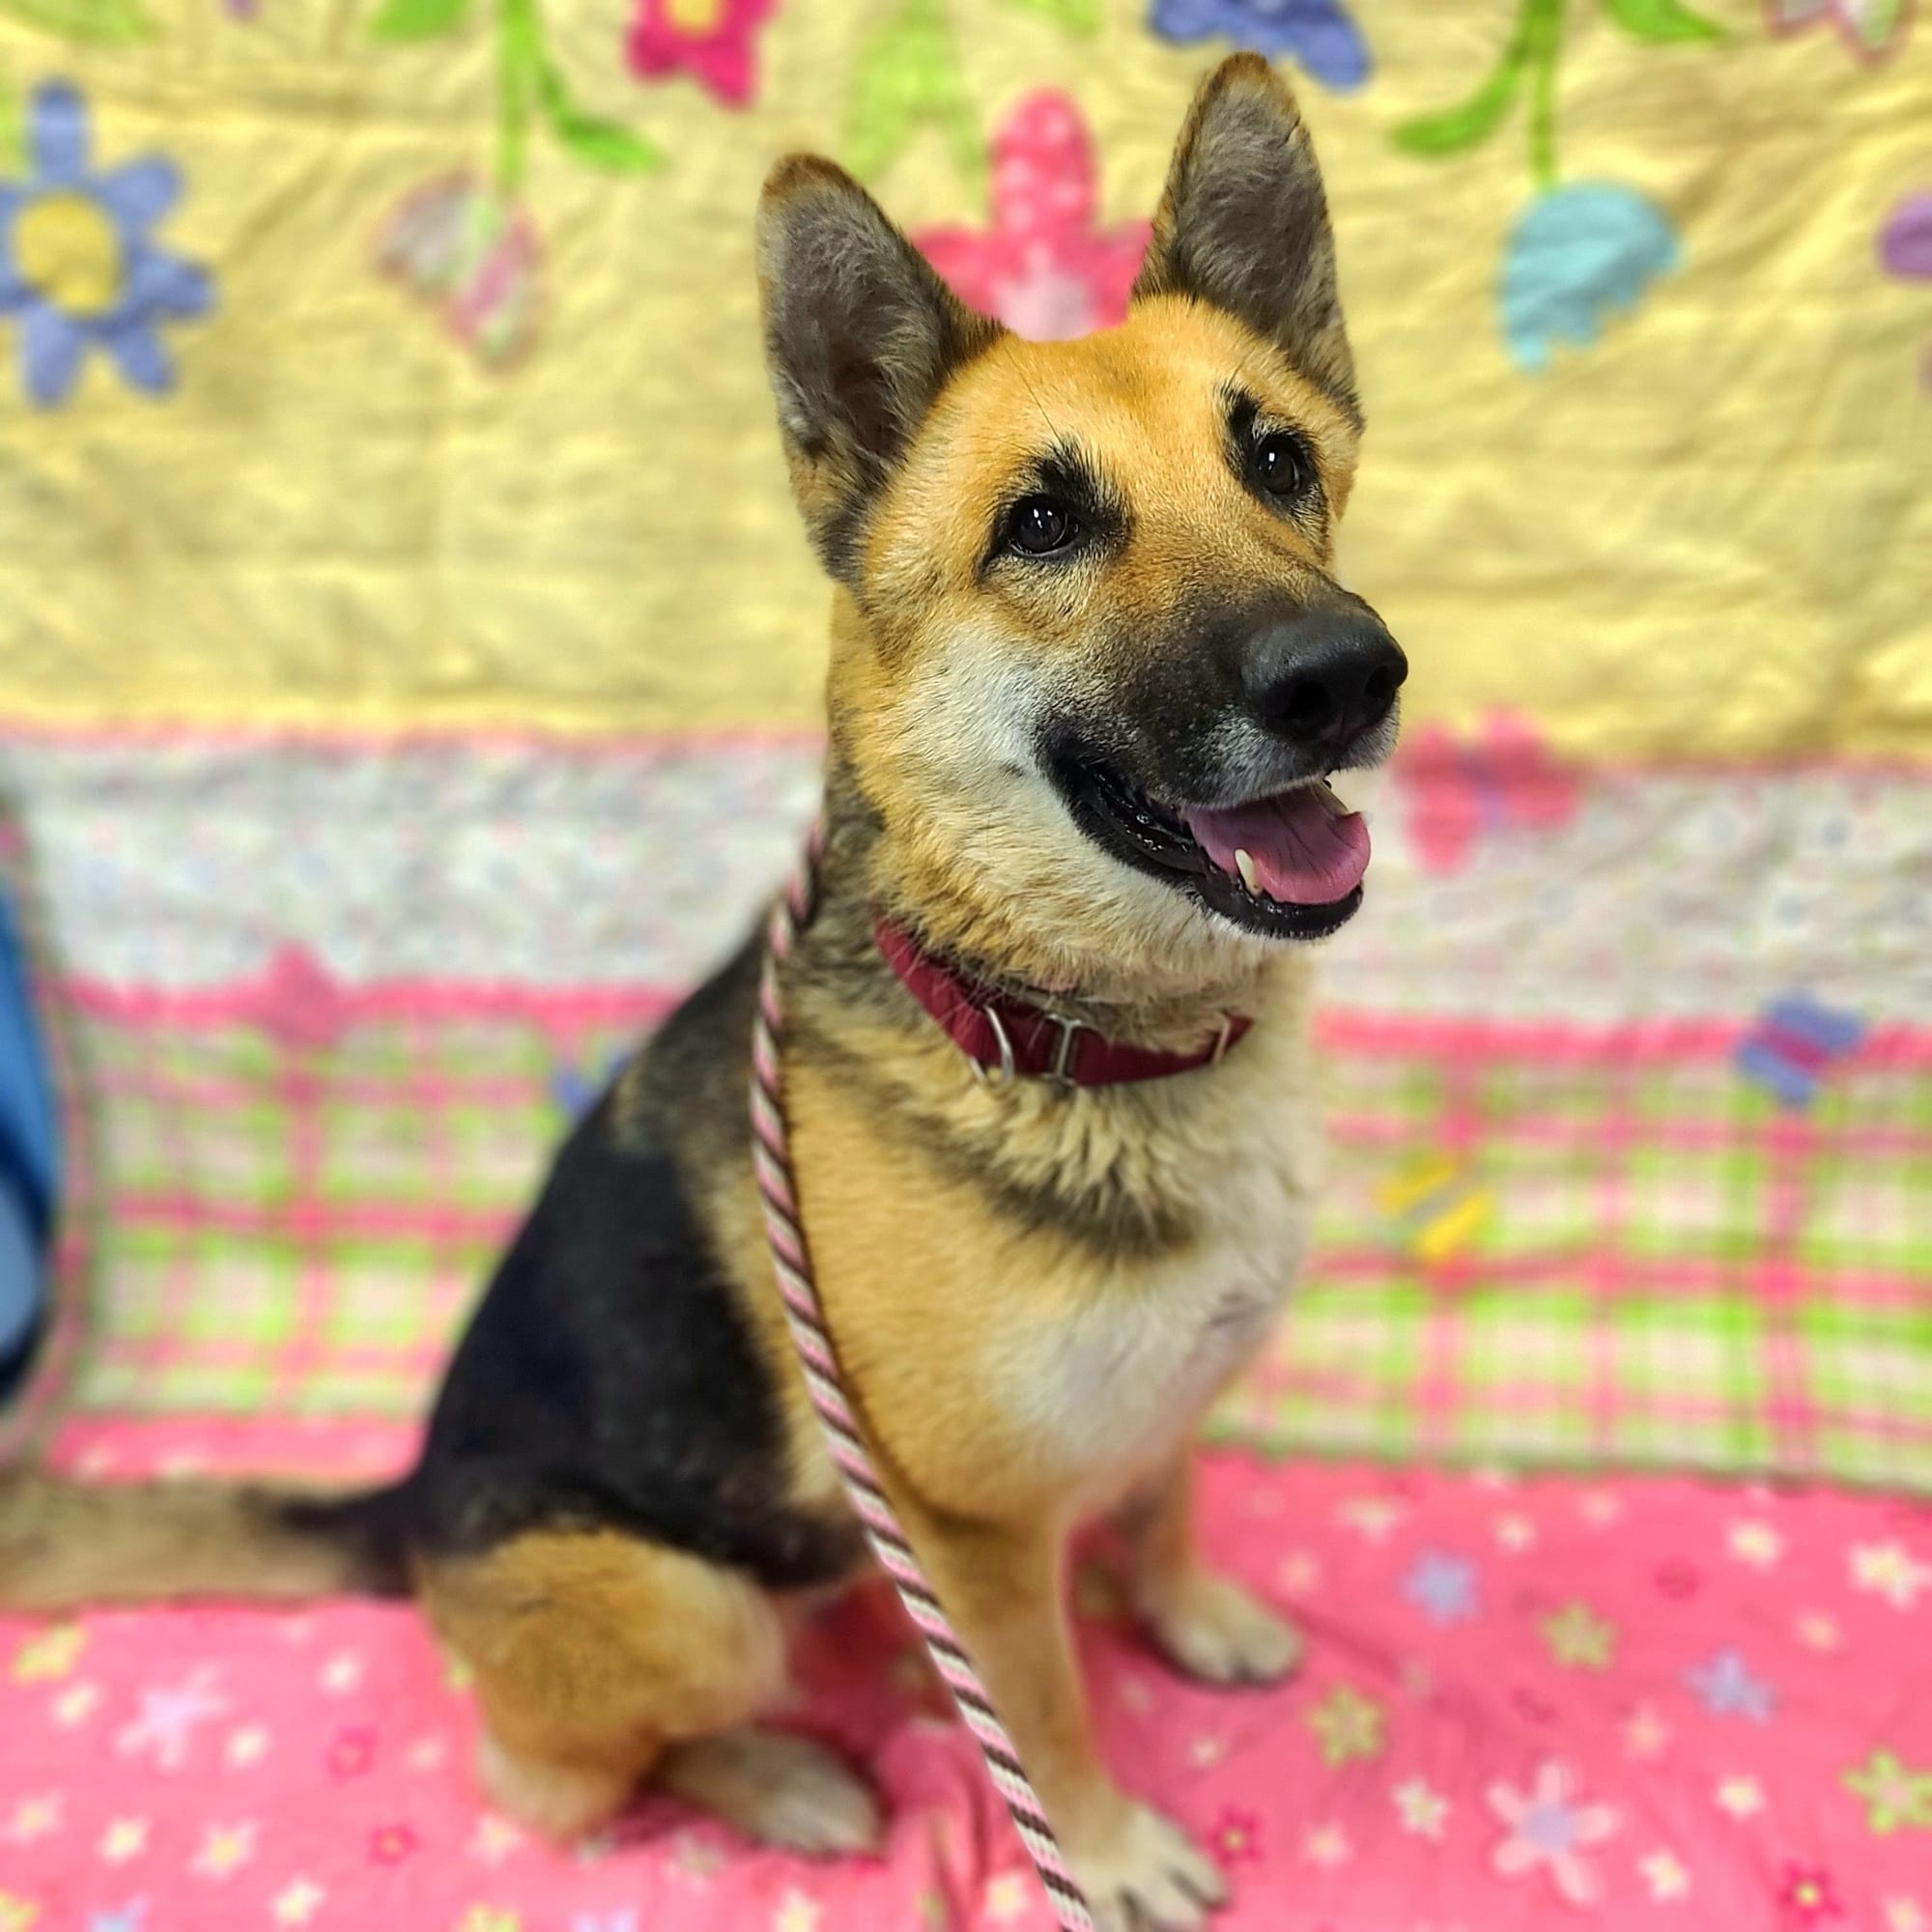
{"points": [[530, 89], [100, 23], [519, 49], [1543, 48], [1079, 18], [1533, 54], [905, 76]]}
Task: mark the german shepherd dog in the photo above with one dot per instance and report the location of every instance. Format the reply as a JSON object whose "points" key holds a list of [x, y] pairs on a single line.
{"points": [[1090, 671]]}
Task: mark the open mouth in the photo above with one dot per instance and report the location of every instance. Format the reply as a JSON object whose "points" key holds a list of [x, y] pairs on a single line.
{"points": [[1287, 867]]}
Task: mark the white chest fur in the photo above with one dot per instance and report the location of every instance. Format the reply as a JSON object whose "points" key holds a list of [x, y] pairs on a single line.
{"points": [[1110, 1385]]}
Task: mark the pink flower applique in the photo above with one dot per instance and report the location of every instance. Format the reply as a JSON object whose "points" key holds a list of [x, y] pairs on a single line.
{"points": [[1808, 1896], [1236, 1838], [391, 1844], [1547, 1830], [1503, 777], [1043, 268], [1678, 1579], [713, 41]]}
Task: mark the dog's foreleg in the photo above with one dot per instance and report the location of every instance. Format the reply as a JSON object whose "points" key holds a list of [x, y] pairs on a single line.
{"points": [[1204, 1623], [1001, 1588]]}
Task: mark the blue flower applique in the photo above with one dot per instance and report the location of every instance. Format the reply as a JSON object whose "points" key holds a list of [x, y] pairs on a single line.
{"points": [[1319, 34], [1578, 255], [1727, 1688], [1443, 1588], [78, 262]]}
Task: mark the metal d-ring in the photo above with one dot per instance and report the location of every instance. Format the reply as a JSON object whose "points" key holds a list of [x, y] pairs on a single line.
{"points": [[1221, 1041], [1006, 1075]]}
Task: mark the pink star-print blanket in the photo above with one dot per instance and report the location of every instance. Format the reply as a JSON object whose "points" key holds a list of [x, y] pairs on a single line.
{"points": [[1526, 1704]]}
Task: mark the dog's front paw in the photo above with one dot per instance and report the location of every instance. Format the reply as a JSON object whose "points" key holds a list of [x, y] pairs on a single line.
{"points": [[779, 1789], [1214, 1629], [1147, 1875]]}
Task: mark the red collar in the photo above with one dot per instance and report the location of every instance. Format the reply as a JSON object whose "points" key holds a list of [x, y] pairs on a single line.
{"points": [[1006, 1038]]}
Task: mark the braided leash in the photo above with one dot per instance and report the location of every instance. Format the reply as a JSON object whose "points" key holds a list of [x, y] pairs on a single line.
{"points": [[771, 1157]]}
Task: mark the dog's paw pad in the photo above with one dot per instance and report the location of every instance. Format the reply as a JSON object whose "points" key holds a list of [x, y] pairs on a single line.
{"points": [[1212, 1628]]}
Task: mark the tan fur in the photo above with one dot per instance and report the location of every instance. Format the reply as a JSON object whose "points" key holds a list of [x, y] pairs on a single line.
{"points": [[914, 1274], [591, 1652], [924, 686], [600, 1659]]}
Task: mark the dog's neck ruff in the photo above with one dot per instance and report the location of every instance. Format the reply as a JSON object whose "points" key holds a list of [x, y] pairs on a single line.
{"points": [[791, 1261], [1008, 1039]]}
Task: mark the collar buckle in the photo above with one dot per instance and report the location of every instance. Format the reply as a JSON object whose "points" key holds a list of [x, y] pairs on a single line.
{"points": [[1059, 1071]]}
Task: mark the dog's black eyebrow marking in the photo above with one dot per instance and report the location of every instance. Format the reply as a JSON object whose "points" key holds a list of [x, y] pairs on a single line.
{"points": [[1068, 473]]}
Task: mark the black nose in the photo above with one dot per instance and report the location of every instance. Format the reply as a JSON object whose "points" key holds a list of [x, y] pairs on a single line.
{"points": [[1325, 676]]}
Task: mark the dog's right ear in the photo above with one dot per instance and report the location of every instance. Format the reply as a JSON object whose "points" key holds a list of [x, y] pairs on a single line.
{"points": [[860, 335], [1243, 223]]}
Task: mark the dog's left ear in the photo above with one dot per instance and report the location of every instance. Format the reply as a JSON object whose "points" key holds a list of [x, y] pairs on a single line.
{"points": [[860, 335], [1243, 223]]}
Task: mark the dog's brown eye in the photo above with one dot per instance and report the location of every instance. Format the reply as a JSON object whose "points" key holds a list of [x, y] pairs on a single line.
{"points": [[1281, 464], [1037, 525]]}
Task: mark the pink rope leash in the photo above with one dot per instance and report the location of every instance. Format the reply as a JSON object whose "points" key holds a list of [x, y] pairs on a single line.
{"points": [[771, 1156]]}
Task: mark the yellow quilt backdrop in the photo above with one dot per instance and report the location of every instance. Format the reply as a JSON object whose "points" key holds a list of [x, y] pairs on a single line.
{"points": [[420, 386]]}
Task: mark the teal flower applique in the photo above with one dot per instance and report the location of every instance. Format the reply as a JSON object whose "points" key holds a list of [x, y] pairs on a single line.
{"points": [[1578, 256], [1582, 252]]}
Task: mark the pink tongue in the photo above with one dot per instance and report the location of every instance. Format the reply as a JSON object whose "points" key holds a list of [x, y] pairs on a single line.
{"points": [[1303, 854]]}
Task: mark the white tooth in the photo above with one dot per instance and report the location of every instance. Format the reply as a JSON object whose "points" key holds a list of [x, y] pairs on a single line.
{"points": [[1245, 866]]}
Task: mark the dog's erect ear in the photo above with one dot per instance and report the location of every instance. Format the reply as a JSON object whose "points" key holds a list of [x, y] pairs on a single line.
{"points": [[860, 335], [1243, 223]]}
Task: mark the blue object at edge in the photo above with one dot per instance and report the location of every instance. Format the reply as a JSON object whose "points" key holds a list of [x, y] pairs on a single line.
{"points": [[29, 1155]]}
